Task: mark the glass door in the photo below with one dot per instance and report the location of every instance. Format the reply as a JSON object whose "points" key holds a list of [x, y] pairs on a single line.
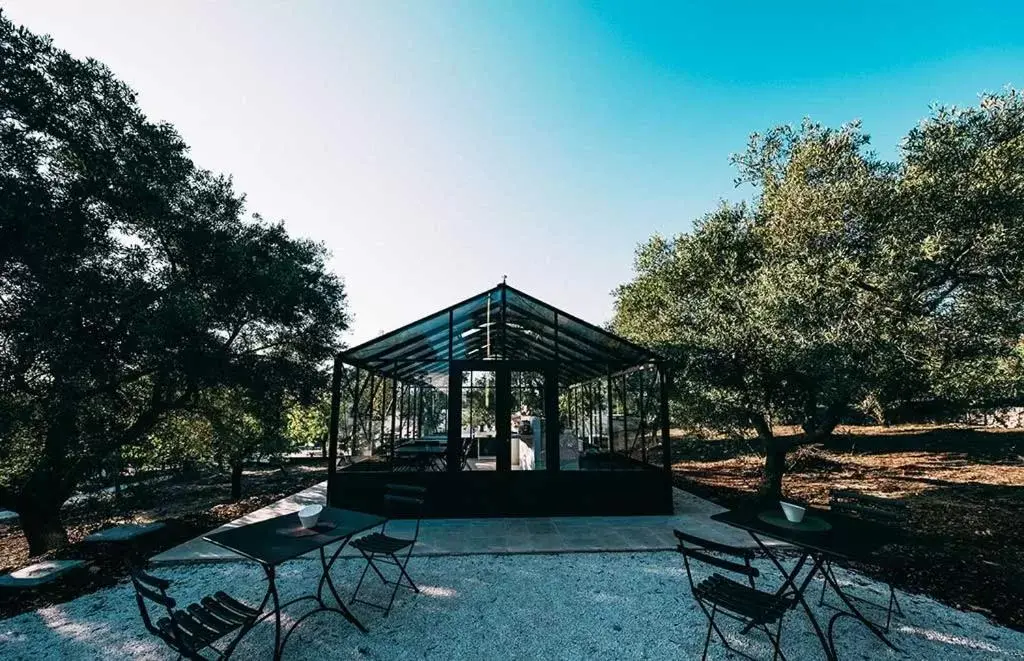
{"points": [[527, 420], [478, 418]]}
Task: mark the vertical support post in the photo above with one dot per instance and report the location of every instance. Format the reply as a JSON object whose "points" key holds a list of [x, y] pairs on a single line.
{"points": [[401, 411], [394, 411], [666, 447], [625, 418], [504, 325], [643, 416], [590, 405], [503, 417], [454, 418], [355, 418], [572, 411], [611, 429], [419, 412], [472, 427], [332, 446], [576, 393], [551, 427], [383, 409], [371, 388]]}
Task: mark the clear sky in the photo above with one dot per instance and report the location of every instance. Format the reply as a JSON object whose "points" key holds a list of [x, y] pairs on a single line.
{"points": [[435, 146]]}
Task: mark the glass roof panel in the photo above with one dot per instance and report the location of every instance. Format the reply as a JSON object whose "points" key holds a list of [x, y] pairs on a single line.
{"points": [[530, 330], [398, 341]]}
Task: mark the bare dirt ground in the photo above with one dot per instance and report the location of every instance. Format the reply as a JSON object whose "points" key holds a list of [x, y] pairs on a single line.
{"points": [[189, 505], [964, 486]]}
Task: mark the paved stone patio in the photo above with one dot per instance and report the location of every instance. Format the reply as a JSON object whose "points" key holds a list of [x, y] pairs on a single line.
{"points": [[509, 535]]}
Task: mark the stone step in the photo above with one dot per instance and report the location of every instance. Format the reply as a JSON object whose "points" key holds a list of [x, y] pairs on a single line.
{"points": [[39, 574], [124, 533]]}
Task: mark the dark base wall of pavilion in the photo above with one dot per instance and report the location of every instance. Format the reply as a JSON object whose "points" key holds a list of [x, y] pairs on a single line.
{"points": [[514, 493]]}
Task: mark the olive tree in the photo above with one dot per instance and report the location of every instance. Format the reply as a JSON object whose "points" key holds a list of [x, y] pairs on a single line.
{"points": [[845, 280], [131, 281]]}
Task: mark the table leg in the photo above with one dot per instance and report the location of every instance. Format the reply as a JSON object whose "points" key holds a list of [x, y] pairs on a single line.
{"points": [[272, 589], [854, 613], [260, 615], [791, 580], [325, 578]]}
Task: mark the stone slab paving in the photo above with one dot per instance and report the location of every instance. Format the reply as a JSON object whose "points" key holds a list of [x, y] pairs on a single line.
{"points": [[39, 574], [509, 535], [124, 533]]}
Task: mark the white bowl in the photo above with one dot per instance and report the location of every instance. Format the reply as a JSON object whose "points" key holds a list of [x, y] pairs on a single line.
{"points": [[794, 513], [310, 514]]}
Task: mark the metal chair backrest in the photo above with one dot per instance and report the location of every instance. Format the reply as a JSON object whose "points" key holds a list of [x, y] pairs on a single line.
{"points": [[151, 588], [888, 512], [737, 560], [405, 501]]}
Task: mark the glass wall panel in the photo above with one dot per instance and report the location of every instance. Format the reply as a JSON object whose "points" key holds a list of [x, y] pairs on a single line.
{"points": [[478, 423], [528, 423]]}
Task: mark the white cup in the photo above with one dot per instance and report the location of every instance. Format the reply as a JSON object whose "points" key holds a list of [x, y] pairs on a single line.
{"points": [[310, 514], [794, 513]]}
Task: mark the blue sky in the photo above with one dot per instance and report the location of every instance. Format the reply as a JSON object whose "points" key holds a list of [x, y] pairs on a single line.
{"points": [[435, 146]]}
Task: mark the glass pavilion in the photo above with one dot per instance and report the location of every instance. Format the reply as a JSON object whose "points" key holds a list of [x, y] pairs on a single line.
{"points": [[503, 405]]}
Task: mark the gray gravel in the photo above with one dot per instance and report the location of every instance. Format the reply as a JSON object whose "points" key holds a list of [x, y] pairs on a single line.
{"points": [[569, 606]]}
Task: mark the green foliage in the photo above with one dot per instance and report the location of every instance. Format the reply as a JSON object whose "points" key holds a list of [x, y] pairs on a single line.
{"points": [[847, 280], [181, 439], [308, 425], [131, 282]]}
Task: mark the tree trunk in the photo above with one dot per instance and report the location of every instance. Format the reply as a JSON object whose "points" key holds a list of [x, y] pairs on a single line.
{"points": [[774, 461], [41, 523], [774, 468], [236, 481]]}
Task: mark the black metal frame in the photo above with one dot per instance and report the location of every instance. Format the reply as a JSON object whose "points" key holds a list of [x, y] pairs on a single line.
{"points": [[321, 606], [500, 330], [817, 559], [887, 512], [217, 617], [751, 607], [402, 500]]}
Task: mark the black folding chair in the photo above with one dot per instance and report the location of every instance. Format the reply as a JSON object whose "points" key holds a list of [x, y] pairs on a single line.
{"points": [[194, 630], [401, 502], [889, 513], [738, 601]]}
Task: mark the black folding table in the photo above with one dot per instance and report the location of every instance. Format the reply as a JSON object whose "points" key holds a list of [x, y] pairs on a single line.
{"points": [[282, 538], [823, 535], [428, 454]]}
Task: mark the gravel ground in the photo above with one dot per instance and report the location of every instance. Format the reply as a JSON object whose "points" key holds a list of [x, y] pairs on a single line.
{"points": [[570, 606]]}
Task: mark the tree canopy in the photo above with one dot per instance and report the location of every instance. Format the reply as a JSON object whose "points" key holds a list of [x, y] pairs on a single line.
{"points": [[847, 281], [132, 283]]}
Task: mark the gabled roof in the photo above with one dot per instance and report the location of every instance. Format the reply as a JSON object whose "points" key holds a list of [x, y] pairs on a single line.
{"points": [[502, 323]]}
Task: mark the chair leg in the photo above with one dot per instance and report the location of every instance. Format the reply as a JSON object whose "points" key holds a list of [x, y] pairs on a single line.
{"points": [[824, 582], [777, 643], [893, 602], [707, 638], [369, 563], [404, 573], [373, 565]]}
